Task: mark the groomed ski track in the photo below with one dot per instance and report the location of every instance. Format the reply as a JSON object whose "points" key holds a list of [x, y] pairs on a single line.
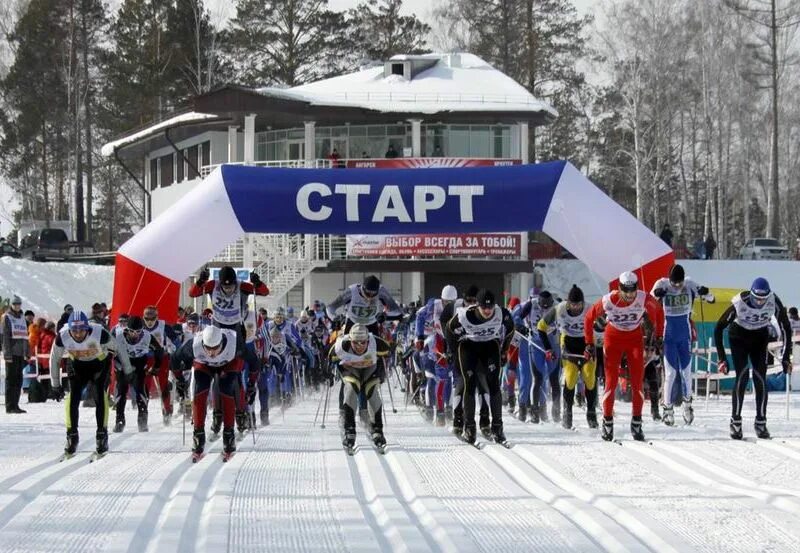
{"points": [[690, 489]]}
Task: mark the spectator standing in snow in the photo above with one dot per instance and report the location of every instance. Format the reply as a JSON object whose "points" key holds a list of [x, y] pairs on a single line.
{"points": [[666, 234], [64, 317], [15, 352], [710, 245]]}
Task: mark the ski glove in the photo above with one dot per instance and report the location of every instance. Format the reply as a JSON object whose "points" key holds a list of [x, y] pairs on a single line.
{"points": [[702, 290], [202, 278], [787, 366], [523, 330], [250, 395], [548, 355], [255, 279], [589, 352], [57, 393], [723, 367], [180, 387], [380, 317], [660, 292], [419, 344]]}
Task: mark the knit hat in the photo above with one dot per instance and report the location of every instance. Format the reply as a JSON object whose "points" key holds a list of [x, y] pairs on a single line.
{"points": [[575, 294], [16, 300]]}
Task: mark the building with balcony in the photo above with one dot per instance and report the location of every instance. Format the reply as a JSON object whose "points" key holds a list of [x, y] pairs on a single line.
{"points": [[409, 111]]}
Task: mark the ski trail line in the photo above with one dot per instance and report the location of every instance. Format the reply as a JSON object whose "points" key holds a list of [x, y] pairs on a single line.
{"points": [[610, 534], [169, 529], [781, 498], [428, 512]]}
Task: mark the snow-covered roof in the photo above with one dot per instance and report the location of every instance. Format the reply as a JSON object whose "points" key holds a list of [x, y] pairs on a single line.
{"points": [[456, 82], [108, 149]]}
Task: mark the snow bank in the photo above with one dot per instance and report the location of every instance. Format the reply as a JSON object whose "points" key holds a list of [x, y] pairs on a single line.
{"points": [[46, 287]]}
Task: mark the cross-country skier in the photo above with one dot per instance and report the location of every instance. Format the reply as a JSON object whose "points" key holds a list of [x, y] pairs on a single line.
{"points": [[88, 345], [438, 385], [229, 301], [142, 347], [624, 310], [480, 336], [212, 353], [569, 317], [535, 366], [364, 304], [359, 356], [677, 294], [748, 320], [163, 333], [509, 380]]}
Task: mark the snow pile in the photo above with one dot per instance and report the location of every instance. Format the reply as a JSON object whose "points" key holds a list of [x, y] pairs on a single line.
{"points": [[46, 287]]}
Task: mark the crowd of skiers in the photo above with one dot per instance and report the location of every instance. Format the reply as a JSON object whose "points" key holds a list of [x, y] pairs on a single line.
{"points": [[453, 356]]}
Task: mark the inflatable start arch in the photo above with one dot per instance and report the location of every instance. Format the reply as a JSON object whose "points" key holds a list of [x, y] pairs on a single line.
{"points": [[553, 197]]}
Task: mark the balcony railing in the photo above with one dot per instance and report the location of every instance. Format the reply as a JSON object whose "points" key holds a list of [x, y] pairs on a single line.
{"points": [[206, 170]]}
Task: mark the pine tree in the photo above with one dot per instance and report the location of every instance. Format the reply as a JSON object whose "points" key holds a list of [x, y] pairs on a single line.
{"points": [[285, 42], [378, 31]]}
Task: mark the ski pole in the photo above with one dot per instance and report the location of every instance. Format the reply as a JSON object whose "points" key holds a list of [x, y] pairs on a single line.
{"points": [[319, 406], [391, 398], [325, 409], [531, 342]]}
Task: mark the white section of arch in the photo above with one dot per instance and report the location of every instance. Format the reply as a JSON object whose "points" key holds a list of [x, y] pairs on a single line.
{"points": [[189, 233]]}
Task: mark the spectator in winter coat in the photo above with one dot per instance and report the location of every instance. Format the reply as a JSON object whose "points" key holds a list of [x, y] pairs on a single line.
{"points": [[34, 333], [666, 234], [46, 338], [391, 153], [711, 245], [29, 317], [64, 317], [15, 352]]}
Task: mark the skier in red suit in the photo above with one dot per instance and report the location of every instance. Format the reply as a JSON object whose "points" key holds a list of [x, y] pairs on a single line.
{"points": [[624, 309]]}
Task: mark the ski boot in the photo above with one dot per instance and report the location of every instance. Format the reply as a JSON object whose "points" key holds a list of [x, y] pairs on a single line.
{"points": [[264, 418], [448, 413], [167, 415], [761, 429], [349, 440], [198, 444], [591, 419], [736, 428], [101, 441], [607, 432], [522, 415], [669, 415], [688, 411], [498, 436], [543, 412], [566, 422], [511, 403], [470, 434], [428, 414], [228, 441], [654, 410], [555, 411], [636, 429], [119, 426], [440, 418], [141, 420], [241, 421], [534, 413], [379, 440], [216, 422], [72, 443], [458, 426]]}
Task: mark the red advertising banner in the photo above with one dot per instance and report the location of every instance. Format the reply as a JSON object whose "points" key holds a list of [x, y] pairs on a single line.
{"points": [[384, 245], [424, 162]]}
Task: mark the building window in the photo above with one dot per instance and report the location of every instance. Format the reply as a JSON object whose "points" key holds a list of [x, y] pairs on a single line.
{"points": [[191, 156], [153, 174], [397, 69], [205, 154], [181, 166], [167, 170]]}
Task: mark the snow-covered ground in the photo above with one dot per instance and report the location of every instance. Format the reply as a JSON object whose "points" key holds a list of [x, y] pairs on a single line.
{"points": [[692, 489], [46, 287]]}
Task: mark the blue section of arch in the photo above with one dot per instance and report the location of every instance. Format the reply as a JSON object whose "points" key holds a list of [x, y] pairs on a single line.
{"points": [[514, 198]]}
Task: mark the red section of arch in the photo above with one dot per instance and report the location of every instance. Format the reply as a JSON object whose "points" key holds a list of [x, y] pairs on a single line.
{"points": [[136, 287], [650, 272]]}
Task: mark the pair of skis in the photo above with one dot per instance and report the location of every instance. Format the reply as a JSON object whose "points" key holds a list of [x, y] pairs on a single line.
{"points": [[351, 450], [225, 455], [479, 445], [95, 456]]}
